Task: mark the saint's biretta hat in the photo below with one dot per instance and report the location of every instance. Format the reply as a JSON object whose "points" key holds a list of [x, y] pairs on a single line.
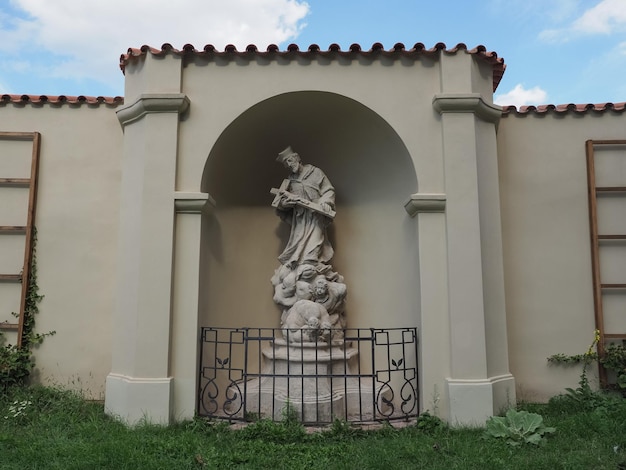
{"points": [[282, 156]]}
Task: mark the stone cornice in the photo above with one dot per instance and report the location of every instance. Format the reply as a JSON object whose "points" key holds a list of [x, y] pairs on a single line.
{"points": [[153, 103], [192, 203], [423, 202], [467, 103]]}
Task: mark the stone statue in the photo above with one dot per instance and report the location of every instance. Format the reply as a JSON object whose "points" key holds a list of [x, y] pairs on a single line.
{"points": [[310, 294], [300, 369], [332, 296], [306, 201], [307, 321]]}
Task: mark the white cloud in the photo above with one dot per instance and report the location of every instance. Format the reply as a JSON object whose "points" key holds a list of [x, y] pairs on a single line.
{"points": [[607, 17], [520, 96], [89, 36]]}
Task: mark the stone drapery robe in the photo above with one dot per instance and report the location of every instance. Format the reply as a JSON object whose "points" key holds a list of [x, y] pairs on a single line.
{"points": [[308, 243]]}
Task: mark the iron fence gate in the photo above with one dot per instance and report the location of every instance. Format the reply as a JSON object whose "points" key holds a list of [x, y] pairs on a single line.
{"points": [[250, 373]]}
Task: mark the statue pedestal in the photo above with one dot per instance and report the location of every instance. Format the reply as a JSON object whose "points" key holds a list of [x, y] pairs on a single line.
{"points": [[317, 381]]}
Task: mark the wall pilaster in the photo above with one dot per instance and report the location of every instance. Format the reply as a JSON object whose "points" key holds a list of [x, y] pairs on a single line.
{"points": [[190, 208], [140, 384], [429, 210], [479, 383]]}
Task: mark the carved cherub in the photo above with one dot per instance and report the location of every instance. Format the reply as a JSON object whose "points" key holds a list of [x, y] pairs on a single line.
{"points": [[307, 321]]}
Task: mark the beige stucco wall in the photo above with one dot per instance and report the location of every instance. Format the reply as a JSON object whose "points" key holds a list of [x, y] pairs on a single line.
{"points": [[342, 118], [77, 223], [375, 239], [373, 128], [379, 140], [545, 225]]}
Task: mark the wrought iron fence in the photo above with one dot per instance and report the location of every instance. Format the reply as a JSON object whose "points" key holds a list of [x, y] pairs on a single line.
{"points": [[250, 373]]}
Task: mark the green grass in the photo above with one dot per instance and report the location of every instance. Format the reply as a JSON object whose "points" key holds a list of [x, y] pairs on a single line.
{"points": [[59, 430]]}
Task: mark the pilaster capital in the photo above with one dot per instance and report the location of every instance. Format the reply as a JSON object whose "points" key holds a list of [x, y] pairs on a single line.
{"points": [[467, 103], [153, 103], [192, 203], [425, 202]]}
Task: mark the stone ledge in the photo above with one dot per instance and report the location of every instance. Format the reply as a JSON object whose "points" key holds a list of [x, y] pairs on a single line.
{"points": [[467, 103], [153, 103], [192, 202], [425, 202]]}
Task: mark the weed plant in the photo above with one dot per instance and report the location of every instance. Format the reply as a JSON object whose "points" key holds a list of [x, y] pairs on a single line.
{"points": [[43, 428], [16, 361]]}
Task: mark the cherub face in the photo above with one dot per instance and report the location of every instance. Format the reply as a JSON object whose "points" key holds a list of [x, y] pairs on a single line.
{"points": [[321, 288]]}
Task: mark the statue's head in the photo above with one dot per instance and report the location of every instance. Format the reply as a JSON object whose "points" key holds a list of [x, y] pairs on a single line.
{"points": [[290, 159], [320, 287]]}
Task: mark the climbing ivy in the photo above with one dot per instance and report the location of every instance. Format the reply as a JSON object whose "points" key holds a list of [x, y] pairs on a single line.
{"points": [[613, 359], [17, 362]]}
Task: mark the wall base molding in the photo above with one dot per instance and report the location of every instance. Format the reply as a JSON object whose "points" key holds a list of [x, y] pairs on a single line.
{"points": [[473, 401], [134, 399]]}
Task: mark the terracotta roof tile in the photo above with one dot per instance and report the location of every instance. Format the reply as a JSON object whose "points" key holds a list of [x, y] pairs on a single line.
{"points": [[564, 108], [61, 100], [294, 51]]}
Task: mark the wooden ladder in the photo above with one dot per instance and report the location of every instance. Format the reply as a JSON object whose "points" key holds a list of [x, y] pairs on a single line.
{"points": [[11, 182], [614, 191]]}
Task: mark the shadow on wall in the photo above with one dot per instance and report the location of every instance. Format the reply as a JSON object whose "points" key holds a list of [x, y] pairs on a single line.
{"points": [[373, 175]]}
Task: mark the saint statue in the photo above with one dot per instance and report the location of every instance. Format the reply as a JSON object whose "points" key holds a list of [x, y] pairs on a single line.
{"points": [[306, 201], [310, 294]]}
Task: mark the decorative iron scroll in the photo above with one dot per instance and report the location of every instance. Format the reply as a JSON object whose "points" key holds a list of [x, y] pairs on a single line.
{"points": [[371, 375]]}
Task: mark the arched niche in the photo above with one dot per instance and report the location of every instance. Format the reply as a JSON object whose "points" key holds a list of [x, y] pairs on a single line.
{"points": [[374, 239]]}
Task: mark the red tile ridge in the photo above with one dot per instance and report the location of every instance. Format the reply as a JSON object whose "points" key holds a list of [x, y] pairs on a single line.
{"points": [[564, 108], [61, 99], [293, 50]]}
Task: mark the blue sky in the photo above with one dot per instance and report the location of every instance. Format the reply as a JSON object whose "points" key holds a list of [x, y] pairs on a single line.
{"points": [[556, 51]]}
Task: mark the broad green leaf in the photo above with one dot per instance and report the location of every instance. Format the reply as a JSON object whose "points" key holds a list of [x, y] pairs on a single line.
{"points": [[518, 427], [534, 438], [497, 427], [530, 422]]}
